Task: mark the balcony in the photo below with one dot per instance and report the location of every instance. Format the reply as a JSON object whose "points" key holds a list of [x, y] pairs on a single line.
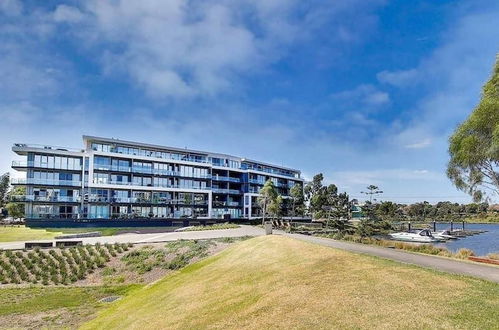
{"points": [[223, 204], [134, 184], [225, 191], [225, 178], [34, 198], [45, 182], [26, 164], [44, 147], [114, 168], [255, 181]]}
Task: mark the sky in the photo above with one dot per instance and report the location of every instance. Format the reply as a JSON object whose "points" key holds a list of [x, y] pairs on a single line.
{"points": [[365, 92]]}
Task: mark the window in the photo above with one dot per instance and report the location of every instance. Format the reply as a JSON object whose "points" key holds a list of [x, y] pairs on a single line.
{"points": [[101, 178]]}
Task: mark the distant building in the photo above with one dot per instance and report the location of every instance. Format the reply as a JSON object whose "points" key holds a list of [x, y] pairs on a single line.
{"points": [[115, 180], [356, 210]]}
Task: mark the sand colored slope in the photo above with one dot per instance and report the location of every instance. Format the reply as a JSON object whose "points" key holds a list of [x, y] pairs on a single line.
{"points": [[278, 282]]}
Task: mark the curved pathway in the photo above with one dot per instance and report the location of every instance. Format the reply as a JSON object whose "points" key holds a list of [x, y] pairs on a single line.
{"points": [[487, 272], [151, 237]]}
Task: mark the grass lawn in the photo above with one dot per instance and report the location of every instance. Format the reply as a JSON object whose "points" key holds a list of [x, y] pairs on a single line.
{"points": [[279, 282], [54, 307], [22, 233]]}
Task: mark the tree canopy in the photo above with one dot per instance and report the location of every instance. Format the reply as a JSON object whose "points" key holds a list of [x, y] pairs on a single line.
{"points": [[4, 188], [474, 146]]}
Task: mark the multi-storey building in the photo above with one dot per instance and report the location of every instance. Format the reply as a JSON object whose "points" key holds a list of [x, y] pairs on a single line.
{"points": [[113, 180]]}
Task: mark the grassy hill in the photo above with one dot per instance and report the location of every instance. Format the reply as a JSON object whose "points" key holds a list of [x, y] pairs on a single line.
{"points": [[278, 282]]}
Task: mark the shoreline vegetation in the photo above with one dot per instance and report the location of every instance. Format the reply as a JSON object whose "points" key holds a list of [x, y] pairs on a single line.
{"points": [[424, 248]]}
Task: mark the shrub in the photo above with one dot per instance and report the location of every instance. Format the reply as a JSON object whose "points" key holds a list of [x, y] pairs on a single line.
{"points": [[464, 253], [494, 256]]}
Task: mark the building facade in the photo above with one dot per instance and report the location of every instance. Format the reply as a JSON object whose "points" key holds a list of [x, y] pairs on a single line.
{"points": [[115, 180]]}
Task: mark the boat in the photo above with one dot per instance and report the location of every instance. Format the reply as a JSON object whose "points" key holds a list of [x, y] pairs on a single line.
{"points": [[420, 236], [444, 234]]}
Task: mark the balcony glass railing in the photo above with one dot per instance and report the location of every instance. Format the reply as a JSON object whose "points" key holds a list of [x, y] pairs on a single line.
{"points": [[225, 191], [34, 198], [137, 200], [45, 182], [44, 147], [225, 178], [17, 163], [158, 185], [147, 170], [54, 216], [256, 181]]}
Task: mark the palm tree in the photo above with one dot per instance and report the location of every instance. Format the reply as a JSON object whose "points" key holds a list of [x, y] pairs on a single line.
{"points": [[268, 196]]}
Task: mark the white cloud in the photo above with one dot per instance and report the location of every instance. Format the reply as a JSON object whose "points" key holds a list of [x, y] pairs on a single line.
{"points": [[418, 145], [400, 78], [11, 7], [184, 49], [364, 95], [64, 13]]}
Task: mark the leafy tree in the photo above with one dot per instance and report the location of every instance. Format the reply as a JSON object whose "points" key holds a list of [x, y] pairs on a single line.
{"points": [[4, 188], [275, 207], [316, 196], [297, 200], [372, 190], [338, 209], [16, 210], [267, 198], [388, 211], [474, 145]]}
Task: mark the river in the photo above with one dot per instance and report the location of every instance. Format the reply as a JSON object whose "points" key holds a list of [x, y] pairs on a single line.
{"points": [[481, 244]]}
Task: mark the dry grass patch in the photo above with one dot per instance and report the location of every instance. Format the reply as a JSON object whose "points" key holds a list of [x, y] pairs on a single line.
{"points": [[278, 282]]}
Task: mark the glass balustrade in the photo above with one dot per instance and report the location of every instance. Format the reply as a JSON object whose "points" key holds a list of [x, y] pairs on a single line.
{"points": [[45, 182], [35, 198]]}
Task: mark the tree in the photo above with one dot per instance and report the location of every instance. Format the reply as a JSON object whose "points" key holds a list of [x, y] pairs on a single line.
{"points": [[267, 198], [297, 200], [275, 207], [316, 196], [339, 206], [474, 146], [372, 191], [4, 188], [16, 210], [388, 211]]}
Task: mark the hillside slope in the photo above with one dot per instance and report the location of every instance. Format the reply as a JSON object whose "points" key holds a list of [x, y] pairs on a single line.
{"points": [[279, 282]]}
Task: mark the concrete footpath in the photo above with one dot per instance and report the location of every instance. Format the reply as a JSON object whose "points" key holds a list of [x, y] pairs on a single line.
{"points": [[486, 272], [152, 237]]}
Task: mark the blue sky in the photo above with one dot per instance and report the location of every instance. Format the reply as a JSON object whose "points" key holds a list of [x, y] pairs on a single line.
{"points": [[366, 92]]}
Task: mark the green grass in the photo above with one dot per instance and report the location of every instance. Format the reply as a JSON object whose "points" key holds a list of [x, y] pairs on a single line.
{"points": [[29, 300], [22, 233], [279, 282], [69, 306], [484, 219], [105, 231]]}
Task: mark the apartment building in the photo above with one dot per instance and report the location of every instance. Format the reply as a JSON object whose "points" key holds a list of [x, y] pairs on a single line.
{"points": [[115, 180]]}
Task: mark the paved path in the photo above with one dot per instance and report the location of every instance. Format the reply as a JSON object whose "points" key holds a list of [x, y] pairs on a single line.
{"points": [[487, 272], [153, 237]]}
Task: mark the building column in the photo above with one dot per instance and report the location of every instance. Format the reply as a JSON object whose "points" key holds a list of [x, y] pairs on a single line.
{"points": [[210, 202]]}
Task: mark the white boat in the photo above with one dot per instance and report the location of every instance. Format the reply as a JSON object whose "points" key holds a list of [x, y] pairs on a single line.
{"points": [[421, 236], [444, 234]]}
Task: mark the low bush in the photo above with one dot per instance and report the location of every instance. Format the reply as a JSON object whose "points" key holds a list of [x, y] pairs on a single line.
{"points": [[213, 227]]}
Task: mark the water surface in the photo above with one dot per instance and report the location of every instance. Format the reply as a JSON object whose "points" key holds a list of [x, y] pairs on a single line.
{"points": [[481, 244]]}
